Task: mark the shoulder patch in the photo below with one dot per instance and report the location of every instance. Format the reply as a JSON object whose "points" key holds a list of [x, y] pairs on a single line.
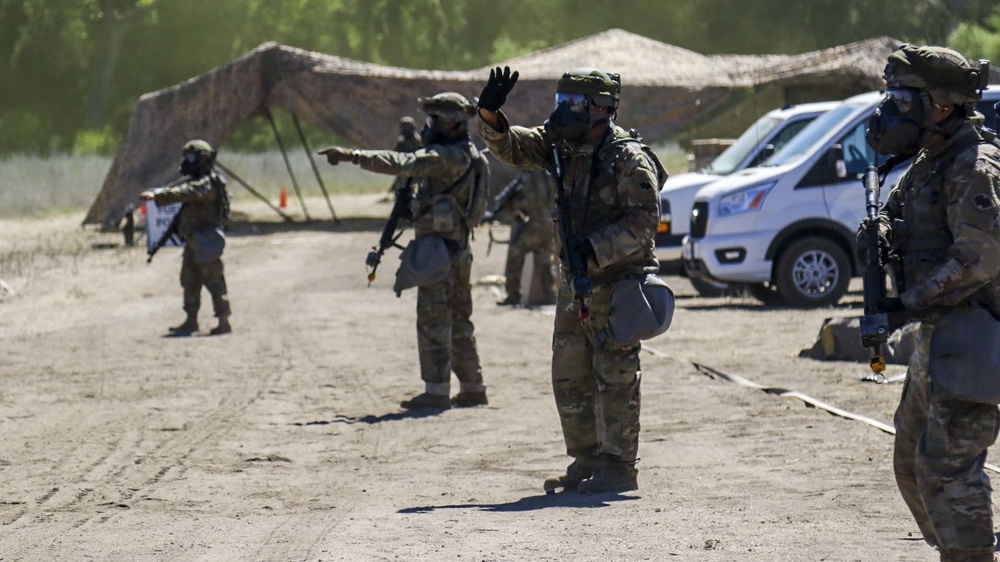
{"points": [[983, 202]]}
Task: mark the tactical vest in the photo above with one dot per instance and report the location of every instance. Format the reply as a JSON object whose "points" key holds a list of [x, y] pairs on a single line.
{"points": [[922, 236]]}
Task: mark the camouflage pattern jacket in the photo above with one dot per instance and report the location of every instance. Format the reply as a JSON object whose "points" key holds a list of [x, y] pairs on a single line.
{"points": [[202, 198], [617, 211], [444, 179], [943, 220]]}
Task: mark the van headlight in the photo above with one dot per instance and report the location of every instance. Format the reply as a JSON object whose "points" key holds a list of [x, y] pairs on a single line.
{"points": [[750, 199]]}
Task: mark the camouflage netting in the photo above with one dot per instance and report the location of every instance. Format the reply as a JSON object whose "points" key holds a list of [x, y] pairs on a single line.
{"points": [[664, 90]]}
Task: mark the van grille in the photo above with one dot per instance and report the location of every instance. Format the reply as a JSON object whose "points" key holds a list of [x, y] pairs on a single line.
{"points": [[699, 219]]}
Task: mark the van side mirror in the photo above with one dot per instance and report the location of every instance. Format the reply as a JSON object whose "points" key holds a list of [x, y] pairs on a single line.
{"points": [[836, 158], [829, 168], [766, 152]]}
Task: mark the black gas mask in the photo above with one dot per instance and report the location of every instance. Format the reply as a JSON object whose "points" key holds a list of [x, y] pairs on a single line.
{"points": [[191, 164], [570, 120], [435, 131], [898, 124]]}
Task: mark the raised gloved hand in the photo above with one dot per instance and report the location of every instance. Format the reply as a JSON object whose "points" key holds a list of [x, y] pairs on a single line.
{"points": [[495, 92], [335, 155]]}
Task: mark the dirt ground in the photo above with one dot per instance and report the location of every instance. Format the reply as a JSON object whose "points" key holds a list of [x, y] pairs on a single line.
{"points": [[284, 440]]}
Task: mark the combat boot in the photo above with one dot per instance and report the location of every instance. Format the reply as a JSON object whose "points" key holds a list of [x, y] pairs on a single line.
{"points": [[468, 399], [427, 401], [512, 300], [576, 472], [187, 328], [223, 328], [956, 555], [612, 477]]}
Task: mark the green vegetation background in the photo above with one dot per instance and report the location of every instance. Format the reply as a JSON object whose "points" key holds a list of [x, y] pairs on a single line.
{"points": [[70, 70]]}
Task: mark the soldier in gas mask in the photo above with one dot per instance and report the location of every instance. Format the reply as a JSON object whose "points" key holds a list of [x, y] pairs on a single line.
{"points": [[446, 186], [203, 214], [942, 223], [611, 183]]}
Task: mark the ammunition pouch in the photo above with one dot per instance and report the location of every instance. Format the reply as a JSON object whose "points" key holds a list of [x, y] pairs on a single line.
{"points": [[965, 355]]}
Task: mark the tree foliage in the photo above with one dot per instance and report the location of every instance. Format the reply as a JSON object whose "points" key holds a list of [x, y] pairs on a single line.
{"points": [[71, 69]]}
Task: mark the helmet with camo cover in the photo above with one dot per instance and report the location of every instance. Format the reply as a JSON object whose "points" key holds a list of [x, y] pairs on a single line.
{"points": [[944, 73], [603, 88], [450, 106]]}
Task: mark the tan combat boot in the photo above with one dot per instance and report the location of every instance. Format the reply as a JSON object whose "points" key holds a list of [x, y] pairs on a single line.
{"points": [[469, 399], [612, 477], [576, 472]]}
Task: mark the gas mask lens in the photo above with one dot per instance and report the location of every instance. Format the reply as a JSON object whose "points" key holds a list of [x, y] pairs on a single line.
{"points": [[906, 99], [191, 157], [576, 102]]}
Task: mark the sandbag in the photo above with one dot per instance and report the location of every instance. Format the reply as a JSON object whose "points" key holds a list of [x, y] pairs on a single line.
{"points": [[839, 339], [641, 309], [423, 262], [965, 356]]}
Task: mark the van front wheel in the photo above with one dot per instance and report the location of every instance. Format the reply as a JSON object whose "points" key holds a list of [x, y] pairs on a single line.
{"points": [[812, 272]]}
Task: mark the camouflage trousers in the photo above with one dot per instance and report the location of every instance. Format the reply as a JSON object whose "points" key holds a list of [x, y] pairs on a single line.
{"points": [[938, 459], [596, 385], [538, 240], [194, 276], [445, 334]]}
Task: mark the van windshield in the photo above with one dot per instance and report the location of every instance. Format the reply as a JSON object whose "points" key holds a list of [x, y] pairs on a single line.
{"points": [[806, 140], [727, 162]]}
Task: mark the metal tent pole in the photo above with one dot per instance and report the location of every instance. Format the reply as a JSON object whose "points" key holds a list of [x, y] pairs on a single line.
{"points": [[288, 164], [312, 161], [230, 173]]}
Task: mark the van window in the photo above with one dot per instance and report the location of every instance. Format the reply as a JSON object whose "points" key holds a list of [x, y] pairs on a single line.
{"points": [[726, 163], [805, 141], [781, 139]]}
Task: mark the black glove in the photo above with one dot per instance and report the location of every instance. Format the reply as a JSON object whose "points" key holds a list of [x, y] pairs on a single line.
{"points": [[495, 92], [862, 242], [890, 304]]}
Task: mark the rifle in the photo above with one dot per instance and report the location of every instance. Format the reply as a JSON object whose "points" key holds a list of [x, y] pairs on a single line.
{"points": [[509, 191], [874, 326], [400, 210], [167, 234], [582, 285]]}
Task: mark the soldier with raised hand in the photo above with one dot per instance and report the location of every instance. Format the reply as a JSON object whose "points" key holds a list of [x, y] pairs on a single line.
{"points": [[612, 184], [942, 222], [442, 169], [204, 213], [532, 231]]}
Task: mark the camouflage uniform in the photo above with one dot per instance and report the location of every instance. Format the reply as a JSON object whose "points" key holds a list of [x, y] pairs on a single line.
{"points": [[613, 188], [445, 333], [202, 210], [532, 232], [944, 223]]}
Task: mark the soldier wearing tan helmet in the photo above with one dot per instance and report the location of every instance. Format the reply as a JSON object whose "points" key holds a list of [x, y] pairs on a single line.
{"points": [[942, 223], [445, 188], [204, 213], [610, 184]]}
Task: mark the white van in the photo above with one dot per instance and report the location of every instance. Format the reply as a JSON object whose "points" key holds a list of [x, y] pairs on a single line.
{"points": [[787, 229], [767, 135]]}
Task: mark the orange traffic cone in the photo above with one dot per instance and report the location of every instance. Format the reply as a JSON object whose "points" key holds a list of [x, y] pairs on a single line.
{"points": [[283, 198]]}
